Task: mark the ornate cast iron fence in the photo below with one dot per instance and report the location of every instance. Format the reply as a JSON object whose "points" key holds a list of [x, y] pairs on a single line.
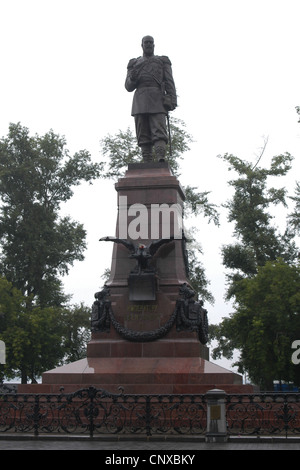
{"points": [[263, 414], [95, 412], [99, 412]]}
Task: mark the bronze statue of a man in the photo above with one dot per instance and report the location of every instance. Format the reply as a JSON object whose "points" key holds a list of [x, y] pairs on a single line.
{"points": [[155, 94]]}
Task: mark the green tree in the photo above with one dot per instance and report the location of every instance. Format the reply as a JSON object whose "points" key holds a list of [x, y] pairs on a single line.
{"points": [[263, 280], [264, 324], [39, 339], [38, 246], [294, 217], [37, 174], [298, 112], [33, 338], [258, 241], [76, 331], [11, 300], [196, 270]]}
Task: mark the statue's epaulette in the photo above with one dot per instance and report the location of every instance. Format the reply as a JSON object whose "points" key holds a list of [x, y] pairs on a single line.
{"points": [[131, 63], [165, 60]]}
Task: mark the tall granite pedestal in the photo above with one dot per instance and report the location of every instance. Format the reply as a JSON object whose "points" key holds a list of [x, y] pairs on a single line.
{"points": [[141, 347]]}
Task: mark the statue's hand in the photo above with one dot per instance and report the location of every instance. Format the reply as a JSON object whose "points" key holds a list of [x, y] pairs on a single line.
{"points": [[134, 75], [168, 103]]}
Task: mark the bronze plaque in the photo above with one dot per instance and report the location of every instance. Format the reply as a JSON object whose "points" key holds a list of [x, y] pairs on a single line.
{"points": [[141, 287], [215, 412]]}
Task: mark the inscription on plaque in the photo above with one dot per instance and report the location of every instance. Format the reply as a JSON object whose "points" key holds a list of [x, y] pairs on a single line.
{"points": [[215, 412], [142, 312]]}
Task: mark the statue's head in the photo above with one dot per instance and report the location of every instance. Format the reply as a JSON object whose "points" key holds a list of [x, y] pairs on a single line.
{"points": [[148, 45]]}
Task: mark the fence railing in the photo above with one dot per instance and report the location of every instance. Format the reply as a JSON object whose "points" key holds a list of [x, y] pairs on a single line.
{"points": [[94, 412], [263, 414]]}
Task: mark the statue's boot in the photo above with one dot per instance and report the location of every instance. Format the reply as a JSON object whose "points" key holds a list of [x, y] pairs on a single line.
{"points": [[160, 150], [147, 153]]}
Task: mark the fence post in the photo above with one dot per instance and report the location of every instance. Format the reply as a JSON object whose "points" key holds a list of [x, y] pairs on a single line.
{"points": [[2, 353], [216, 430], [36, 414], [148, 416]]}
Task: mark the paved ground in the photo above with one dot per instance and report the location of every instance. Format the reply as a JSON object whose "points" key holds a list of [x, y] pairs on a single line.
{"points": [[124, 447]]}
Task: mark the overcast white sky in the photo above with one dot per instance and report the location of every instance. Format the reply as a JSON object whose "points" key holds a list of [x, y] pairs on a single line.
{"points": [[237, 73]]}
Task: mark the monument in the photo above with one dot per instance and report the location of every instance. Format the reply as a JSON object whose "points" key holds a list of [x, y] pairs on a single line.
{"points": [[149, 330], [155, 95]]}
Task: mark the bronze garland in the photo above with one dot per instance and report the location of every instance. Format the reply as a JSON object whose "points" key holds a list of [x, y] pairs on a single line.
{"points": [[143, 336], [188, 314]]}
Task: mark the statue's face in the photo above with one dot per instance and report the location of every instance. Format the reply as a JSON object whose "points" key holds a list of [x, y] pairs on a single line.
{"points": [[148, 45]]}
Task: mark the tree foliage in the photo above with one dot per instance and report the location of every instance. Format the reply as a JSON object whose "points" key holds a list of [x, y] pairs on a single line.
{"points": [[294, 217], [32, 338], [39, 339], [265, 323], [196, 270], [258, 241], [197, 203], [76, 331], [263, 279], [37, 174]]}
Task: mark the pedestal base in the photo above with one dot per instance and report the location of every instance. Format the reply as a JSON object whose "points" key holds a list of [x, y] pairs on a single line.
{"points": [[164, 348], [161, 375]]}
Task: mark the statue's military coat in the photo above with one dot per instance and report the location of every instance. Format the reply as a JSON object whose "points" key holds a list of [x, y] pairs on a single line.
{"points": [[152, 79]]}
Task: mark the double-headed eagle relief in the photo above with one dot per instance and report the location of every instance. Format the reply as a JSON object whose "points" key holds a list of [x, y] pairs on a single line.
{"points": [[142, 253]]}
